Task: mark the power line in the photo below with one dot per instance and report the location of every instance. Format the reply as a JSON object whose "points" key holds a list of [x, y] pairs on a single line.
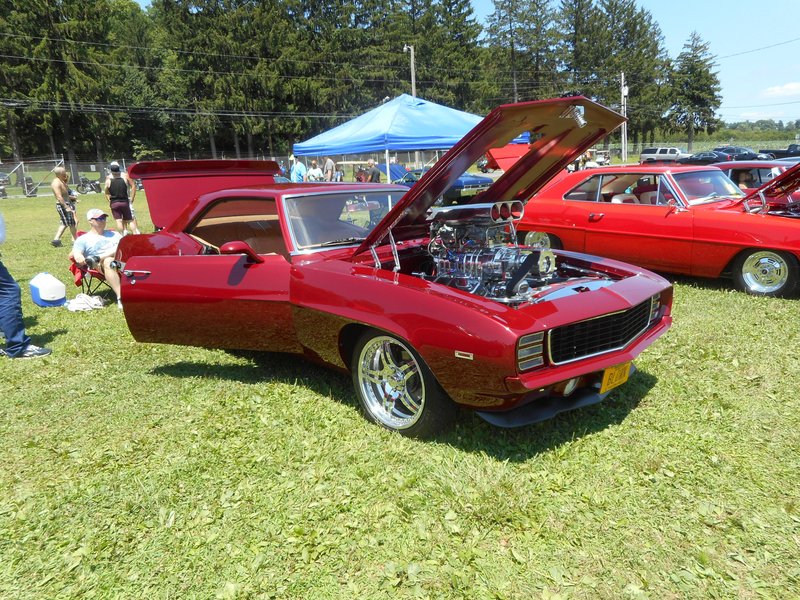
{"points": [[89, 108]]}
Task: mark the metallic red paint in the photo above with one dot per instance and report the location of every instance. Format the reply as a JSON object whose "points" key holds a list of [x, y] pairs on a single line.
{"points": [[315, 301]]}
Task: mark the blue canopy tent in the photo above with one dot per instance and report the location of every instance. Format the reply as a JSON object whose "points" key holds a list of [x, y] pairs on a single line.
{"points": [[405, 123]]}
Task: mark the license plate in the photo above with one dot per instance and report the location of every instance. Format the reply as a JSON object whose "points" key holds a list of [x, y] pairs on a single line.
{"points": [[469, 191], [615, 376]]}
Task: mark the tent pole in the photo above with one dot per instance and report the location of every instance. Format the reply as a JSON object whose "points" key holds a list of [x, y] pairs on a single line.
{"points": [[388, 171]]}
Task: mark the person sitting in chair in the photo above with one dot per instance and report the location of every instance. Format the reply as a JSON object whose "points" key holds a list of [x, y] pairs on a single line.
{"points": [[97, 248]]}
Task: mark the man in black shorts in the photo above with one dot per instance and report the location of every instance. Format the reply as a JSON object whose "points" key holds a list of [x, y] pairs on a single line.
{"points": [[117, 186], [65, 206]]}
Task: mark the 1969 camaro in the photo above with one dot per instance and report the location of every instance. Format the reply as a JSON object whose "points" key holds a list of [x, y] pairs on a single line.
{"points": [[688, 220], [429, 308]]}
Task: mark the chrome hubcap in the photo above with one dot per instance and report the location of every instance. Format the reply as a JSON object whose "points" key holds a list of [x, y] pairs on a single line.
{"points": [[765, 272], [537, 239], [391, 382]]}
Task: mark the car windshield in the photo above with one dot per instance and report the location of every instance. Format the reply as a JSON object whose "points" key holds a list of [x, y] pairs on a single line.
{"points": [[707, 186], [336, 219]]}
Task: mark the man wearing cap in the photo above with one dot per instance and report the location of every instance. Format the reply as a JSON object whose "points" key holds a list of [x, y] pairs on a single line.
{"points": [[116, 189], [97, 249]]}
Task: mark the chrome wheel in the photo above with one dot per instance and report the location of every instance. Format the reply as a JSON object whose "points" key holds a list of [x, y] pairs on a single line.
{"points": [[765, 272], [537, 239], [390, 382]]}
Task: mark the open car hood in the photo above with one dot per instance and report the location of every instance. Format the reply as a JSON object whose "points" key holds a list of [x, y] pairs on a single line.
{"points": [[170, 184], [783, 185], [560, 129]]}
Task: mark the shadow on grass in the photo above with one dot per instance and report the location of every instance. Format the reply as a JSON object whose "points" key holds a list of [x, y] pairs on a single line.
{"points": [[470, 433], [273, 367], [473, 434], [722, 284]]}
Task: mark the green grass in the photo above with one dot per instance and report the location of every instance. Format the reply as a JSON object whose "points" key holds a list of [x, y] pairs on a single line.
{"points": [[142, 471]]}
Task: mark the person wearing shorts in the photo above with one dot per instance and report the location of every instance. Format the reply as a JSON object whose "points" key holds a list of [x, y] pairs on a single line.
{"points": [[65, 206], [117, 187]]}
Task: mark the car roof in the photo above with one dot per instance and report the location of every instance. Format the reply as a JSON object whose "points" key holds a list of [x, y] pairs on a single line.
{"points": [[749, 164], [650, 168]]}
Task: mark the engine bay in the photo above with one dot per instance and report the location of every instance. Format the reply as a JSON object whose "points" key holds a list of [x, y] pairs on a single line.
{"points": [[474, 248]]}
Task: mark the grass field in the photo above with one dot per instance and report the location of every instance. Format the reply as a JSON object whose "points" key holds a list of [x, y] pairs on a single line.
{"points": [[141, 471]]}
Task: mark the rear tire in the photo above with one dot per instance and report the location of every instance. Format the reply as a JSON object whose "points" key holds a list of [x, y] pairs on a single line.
{"points": [[396, 389], [766, 272]]}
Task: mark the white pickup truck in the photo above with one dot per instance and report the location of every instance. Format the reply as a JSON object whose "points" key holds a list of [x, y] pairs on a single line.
{"points": [[651, 154]]}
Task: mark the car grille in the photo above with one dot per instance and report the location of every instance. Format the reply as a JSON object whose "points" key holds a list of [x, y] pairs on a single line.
{"points": [[598, 335]]}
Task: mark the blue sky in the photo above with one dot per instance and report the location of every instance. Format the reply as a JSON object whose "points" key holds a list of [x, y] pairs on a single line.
{"points": [[757, 48]]}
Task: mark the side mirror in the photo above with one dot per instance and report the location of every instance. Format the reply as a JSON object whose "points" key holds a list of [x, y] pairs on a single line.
{"points": [[239, 247]]}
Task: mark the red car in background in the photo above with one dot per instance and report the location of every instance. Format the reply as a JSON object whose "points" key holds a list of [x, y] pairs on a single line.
{"points": [[688, 220], [429, 309], [750, 175]]}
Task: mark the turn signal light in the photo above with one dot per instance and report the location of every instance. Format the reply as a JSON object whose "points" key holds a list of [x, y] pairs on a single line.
{"points": [[530, 351]]}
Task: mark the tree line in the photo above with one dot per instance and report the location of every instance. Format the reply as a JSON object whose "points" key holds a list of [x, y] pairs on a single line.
{"points": [[97, 78]]}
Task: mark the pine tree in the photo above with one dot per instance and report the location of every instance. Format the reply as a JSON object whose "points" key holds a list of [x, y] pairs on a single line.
{"points": [[695, 90]]}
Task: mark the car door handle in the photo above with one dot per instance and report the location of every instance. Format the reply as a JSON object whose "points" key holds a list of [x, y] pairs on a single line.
{"points": [[132, 273], [596, 216]]}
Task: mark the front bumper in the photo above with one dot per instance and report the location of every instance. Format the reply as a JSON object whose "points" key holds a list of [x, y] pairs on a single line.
{"points": [[545, 408]]}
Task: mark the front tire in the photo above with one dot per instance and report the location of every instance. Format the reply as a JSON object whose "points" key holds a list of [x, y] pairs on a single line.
{"points": [[766, 273], [396, 389]]}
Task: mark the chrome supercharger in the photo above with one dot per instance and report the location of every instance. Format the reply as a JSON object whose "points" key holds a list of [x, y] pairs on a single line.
{"points": [[474, 248]]}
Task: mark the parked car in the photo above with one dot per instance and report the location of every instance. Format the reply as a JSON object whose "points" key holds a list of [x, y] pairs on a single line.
{"points": [[688, 220], [662, 154], [791, 150], [429, 309], [750, 175], [5, 179], [705, 158], [466, 186], [742, 153]]}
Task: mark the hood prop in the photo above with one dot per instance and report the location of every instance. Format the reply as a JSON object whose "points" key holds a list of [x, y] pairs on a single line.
{"points": [[392, 245]]}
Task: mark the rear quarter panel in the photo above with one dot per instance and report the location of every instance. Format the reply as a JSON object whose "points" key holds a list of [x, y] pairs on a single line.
{"points": [[721, 234]]}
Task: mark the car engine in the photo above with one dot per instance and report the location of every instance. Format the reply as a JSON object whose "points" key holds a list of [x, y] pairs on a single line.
{"points": [[473, 248]]}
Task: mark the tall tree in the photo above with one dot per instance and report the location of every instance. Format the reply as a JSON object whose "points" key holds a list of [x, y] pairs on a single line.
{"points": [[695, 90], [633, 44], [72, 64], [505, 33], [582, 58]]}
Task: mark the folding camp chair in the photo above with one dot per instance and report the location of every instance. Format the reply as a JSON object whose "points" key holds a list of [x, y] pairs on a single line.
{"points": [[90, 280]]}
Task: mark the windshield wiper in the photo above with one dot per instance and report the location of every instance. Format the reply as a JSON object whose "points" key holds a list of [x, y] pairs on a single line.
{"points": [[348, 240]]}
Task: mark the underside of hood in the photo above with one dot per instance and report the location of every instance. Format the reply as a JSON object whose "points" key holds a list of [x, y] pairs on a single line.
{"points": [[171, 185], [560, 129]]}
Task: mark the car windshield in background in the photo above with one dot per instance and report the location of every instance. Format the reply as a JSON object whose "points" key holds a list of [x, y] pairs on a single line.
{"points": [[336, 219], [706, 186]]}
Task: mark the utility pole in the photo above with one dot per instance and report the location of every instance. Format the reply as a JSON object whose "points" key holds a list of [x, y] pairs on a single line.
{"points": [[624, 104], [409, 48]]}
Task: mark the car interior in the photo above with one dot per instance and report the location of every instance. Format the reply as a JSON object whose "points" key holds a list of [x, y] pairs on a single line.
{"points": [[250, 220], [623, 188]]}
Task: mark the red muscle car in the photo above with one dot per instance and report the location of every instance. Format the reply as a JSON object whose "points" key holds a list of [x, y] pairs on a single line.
{"points": [[688, 220], [429, 308]]}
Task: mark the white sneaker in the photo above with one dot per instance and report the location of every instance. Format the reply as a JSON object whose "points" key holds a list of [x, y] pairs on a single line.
{"points": [[119, 304]]}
